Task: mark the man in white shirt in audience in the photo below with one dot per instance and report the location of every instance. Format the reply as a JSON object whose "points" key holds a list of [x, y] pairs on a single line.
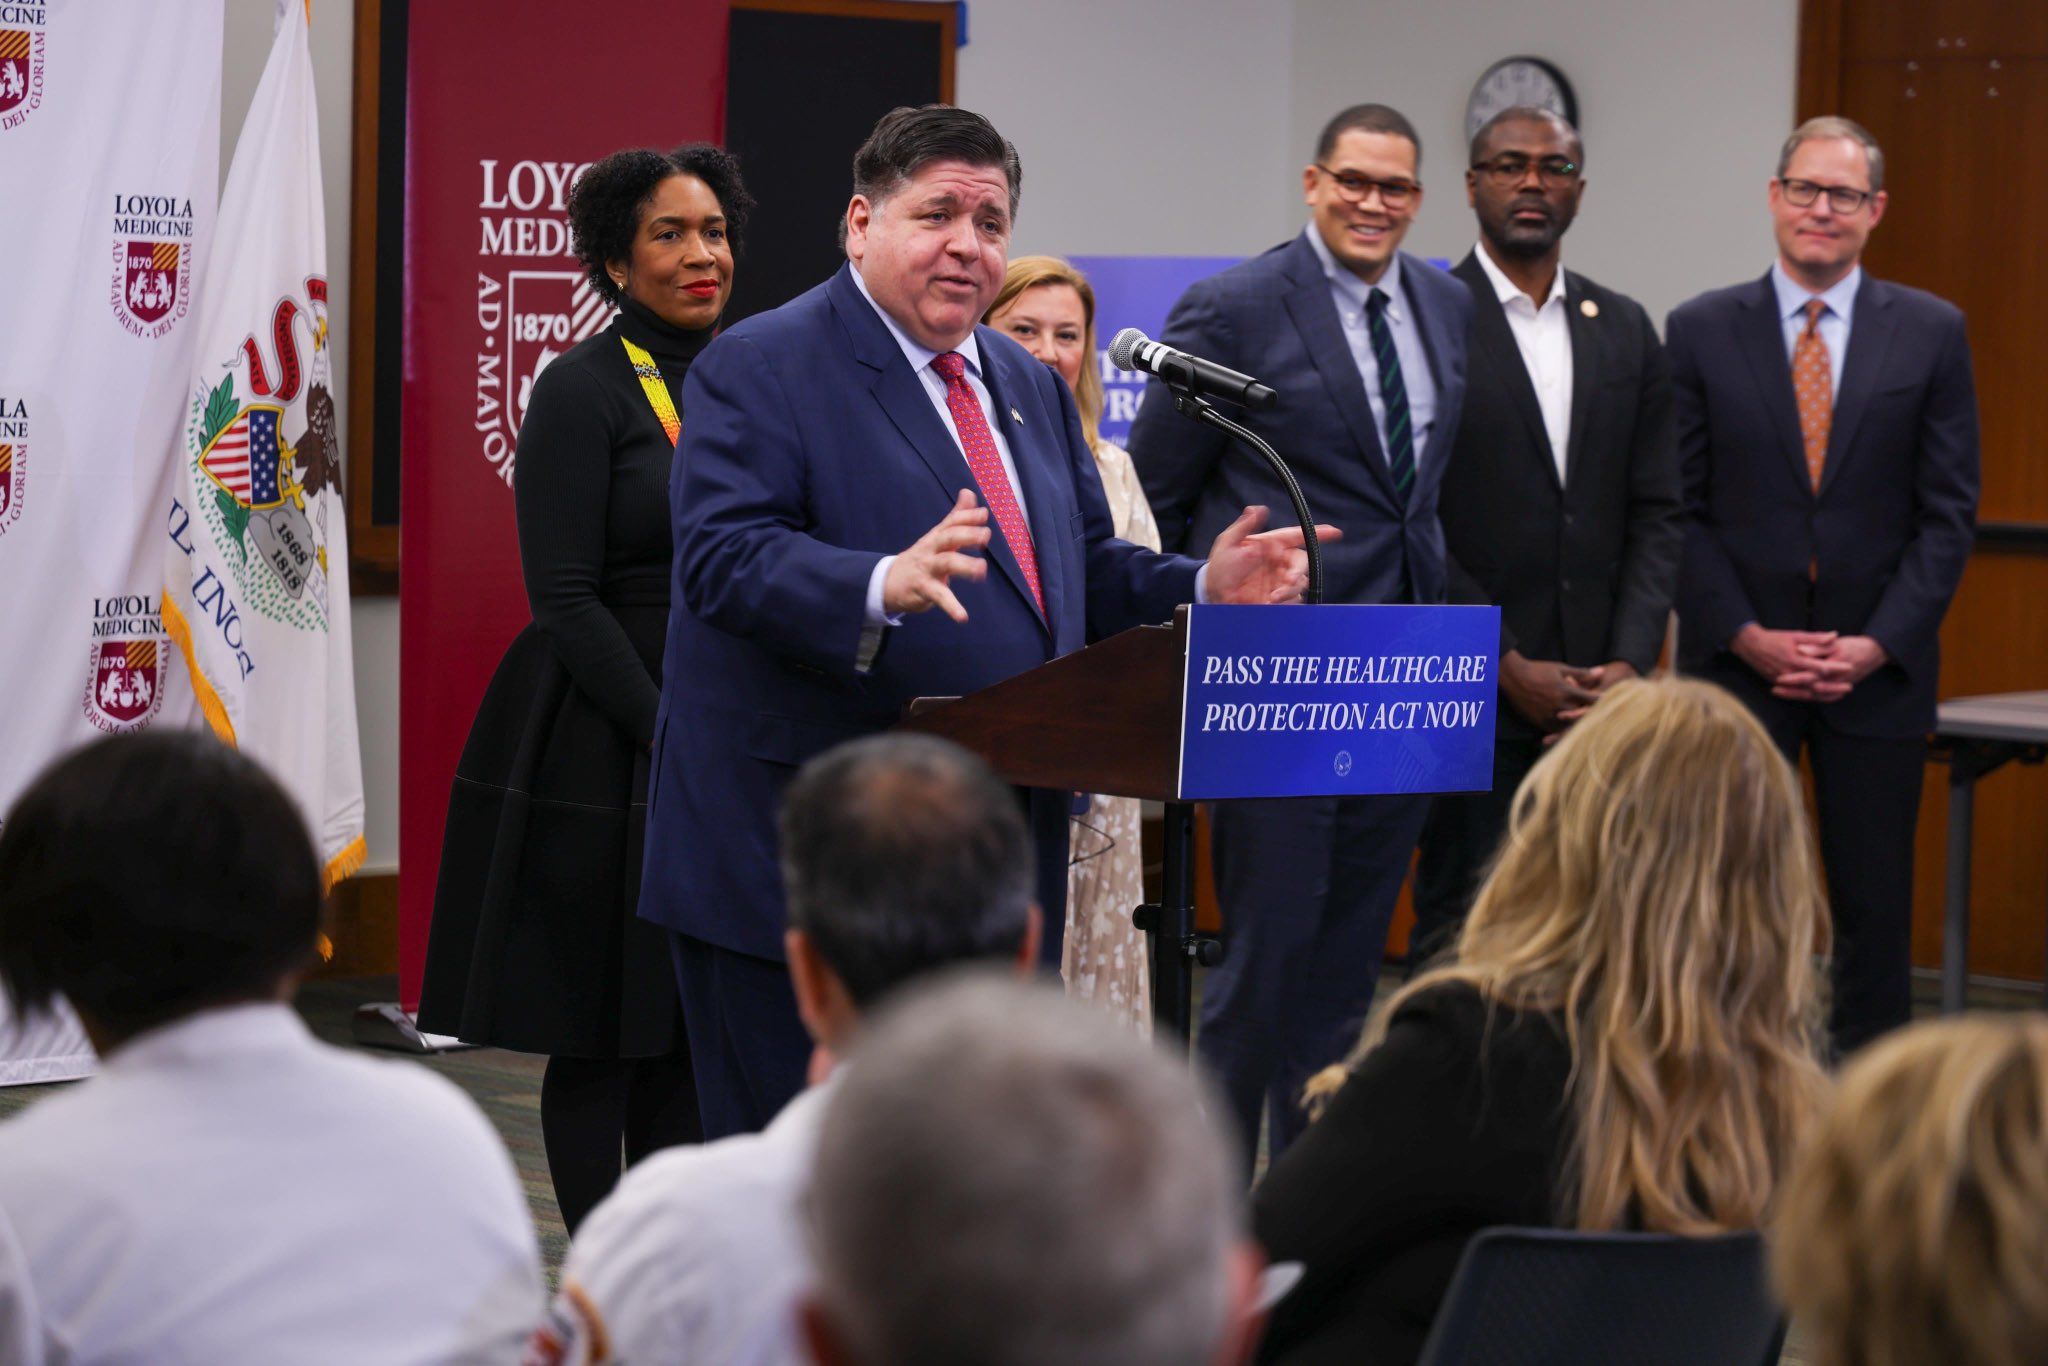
{"points": [[227, 1189], [1009, 1179], [901, 855]]}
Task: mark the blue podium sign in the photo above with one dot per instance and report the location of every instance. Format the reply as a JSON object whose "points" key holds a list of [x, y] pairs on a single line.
{"points": [[1338, 700]]}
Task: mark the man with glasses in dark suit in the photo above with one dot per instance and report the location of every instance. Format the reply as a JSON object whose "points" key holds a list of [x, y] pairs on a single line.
{"points": [[1827, 436], [1561, 502], [1366, 348]]}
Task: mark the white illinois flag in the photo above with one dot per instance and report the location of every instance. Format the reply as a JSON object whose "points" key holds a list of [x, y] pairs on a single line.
{"points": [[256, 561]]}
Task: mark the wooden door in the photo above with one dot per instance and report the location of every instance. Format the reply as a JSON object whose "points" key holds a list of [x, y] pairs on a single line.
{"points": [[1956, 92]]}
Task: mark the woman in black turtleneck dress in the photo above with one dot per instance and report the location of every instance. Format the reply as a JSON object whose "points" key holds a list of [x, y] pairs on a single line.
{"points": [[535, 945]]}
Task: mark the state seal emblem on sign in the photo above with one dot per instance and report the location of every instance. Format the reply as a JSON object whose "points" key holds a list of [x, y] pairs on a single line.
{"points": [[267, 455], [125, 676], [13, 458], [22, 44], [153, 252]]}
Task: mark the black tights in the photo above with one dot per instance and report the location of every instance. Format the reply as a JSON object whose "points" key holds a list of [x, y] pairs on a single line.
{"points": [[592, 1109]]}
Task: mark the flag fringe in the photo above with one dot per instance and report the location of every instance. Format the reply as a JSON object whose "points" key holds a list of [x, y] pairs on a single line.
{"points": [[345, 864], [202, 687]]}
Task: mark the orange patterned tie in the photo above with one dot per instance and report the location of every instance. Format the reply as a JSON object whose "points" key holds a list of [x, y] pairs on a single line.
{"points": [[1814, 384]]}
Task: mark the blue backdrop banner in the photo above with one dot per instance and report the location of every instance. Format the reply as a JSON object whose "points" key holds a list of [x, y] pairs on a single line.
{"points": [[1135, 291], [1338, 701]]}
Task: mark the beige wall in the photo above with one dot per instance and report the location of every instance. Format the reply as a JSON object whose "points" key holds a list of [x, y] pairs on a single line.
{"points": [[376, 619], [1181, 126], [1682, 108]]}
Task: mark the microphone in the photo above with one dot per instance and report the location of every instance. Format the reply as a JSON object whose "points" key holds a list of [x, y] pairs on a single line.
{"points": [[1133, 350]]}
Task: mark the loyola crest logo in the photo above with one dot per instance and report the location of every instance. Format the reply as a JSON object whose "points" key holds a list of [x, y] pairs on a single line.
{"points": [[153, 252], [124, 679], [263, 442], [22, 58], [13, 458]]}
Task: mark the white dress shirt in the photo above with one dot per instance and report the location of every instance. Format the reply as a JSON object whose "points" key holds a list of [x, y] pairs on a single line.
{"points": [[1835, 319], [1350, 294], [230, 1190], [698, 1256], [1543, 336]]}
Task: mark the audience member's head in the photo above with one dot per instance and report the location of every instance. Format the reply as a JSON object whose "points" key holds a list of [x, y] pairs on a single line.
{"points": [[1915, 1227], [901, 854], [1658, 892], [1008, 1177], [148, 877]]}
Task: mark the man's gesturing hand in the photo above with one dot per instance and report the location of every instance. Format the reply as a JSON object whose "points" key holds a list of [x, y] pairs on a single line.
{"points": [[917, 579], [1248, 565]]}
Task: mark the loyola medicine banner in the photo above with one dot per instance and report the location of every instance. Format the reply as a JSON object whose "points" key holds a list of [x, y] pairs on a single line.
{"points": [[110, 162], [504, 109]]}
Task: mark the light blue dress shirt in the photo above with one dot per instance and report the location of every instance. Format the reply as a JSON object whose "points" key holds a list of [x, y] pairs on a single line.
{"points": [[1349, 293], [1835, 319]]}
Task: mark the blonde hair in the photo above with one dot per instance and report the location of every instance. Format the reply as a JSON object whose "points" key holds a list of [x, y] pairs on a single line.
{"points": [[1657, 891], [1915, 1228], [1029, 272]]}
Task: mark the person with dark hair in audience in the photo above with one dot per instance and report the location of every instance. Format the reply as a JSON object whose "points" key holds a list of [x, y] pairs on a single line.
{"points": [[535, 944], [1914, 1228], [855, 458], [1365, 346], [1008, 1179], [227, 1188], [1627, 1034], [901, 854]]}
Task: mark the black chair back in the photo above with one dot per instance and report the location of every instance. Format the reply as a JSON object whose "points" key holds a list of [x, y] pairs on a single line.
{"points": [[1552, 1297]]}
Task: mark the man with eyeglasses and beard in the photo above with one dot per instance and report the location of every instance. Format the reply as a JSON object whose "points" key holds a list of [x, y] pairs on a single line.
{"points": [[1827, 440], [1366, 348], [1561, 501]]}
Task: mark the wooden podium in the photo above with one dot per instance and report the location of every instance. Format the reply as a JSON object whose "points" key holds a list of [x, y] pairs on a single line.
{"points": [[1104, 719]]}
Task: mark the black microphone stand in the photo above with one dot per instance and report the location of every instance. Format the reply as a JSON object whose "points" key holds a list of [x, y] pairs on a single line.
{"points": [[1170, 923]]}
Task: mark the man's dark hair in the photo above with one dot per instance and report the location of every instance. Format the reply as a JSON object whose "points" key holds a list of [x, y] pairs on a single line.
{"points": [[907, 139], [1526, 113], [146, 877], [1367, 118], [608, 201], [902, 854]]}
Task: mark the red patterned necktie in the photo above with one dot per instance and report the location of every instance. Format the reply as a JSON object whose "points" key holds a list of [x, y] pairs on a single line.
{"points": [[979, 445], [1813, 382]]}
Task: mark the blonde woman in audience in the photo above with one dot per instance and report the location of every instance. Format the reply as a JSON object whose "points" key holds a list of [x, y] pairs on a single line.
{"points": [[1625, 1038], [1915, 1228], [1049, 308]]}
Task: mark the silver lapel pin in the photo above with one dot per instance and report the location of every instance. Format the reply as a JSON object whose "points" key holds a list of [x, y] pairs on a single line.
{"points": [[1016, 417]]}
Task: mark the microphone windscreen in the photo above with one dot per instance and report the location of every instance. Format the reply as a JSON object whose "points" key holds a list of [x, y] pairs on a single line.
{"points": [[1123, 348]]}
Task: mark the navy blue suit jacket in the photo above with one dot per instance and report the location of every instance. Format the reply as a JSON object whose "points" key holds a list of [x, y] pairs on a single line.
{"points": [[810, 450], [1272, 317], [1891, 527]]}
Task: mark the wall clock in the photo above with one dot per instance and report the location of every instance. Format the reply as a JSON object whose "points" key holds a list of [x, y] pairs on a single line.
{"points": [[1516, 81]]}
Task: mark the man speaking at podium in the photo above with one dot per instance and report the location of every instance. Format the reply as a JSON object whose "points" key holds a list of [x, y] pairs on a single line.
{"points": [[1366, 346], [849, 461]]}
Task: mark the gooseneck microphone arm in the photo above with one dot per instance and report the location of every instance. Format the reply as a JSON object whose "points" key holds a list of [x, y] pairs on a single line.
{"points": [[1201, 410]]}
